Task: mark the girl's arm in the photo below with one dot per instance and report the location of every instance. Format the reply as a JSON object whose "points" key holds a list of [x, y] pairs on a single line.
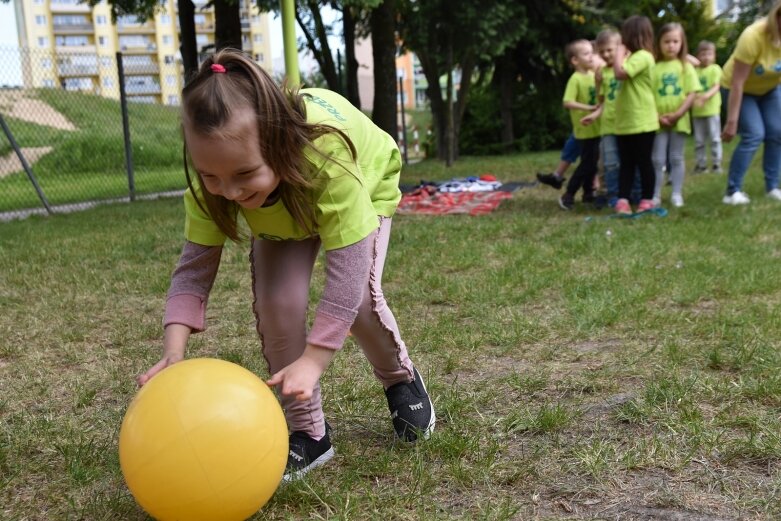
{"points": [[347, 276], [740, 72], [185, 309], [673, 117], [589, 119], [574, 105], [618, 63], [708, 94]]}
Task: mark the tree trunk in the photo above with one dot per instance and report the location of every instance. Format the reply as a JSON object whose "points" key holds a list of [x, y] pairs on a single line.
{"points": [[449, 126], [187, 42], [322, 53], [434, 93], [383, 23], [227, 25], [506, 72], [351, 63], [468, 64]]}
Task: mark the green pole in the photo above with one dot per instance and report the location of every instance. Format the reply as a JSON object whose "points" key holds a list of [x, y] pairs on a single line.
{"points": [[289, 40]]}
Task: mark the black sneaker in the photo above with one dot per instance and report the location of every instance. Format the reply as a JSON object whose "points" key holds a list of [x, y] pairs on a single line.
{"points": [[551, 180], [411, 409], [566, 202], [589, 197], [306, 454]]}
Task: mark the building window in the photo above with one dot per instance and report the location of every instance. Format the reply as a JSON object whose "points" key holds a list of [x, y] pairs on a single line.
{"points": [[260, 58], [48, 83], [165, 19], [105, 61], [168, 59], [46, 63], [40, 19], [170, 79], [173, 100], [199, 19], [167, 39], [258, 38], [255, 19], [71, 41], [102, 41], [39, 2], [108, 83], [101, 19], [43, 42]]}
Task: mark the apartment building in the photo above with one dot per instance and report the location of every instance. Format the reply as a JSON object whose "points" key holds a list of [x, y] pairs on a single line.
{"points": [[74, 46]]}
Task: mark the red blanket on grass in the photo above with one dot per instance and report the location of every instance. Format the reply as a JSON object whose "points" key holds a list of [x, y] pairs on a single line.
{"points": [[429, 201]]}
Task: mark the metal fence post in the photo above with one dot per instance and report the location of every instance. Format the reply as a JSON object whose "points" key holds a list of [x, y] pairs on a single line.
{"points": [[131, 183], [25, 164]]}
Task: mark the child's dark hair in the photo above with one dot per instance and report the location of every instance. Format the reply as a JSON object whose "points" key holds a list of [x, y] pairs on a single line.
{"points": [[606, 36], [705, 45], [638, 33], [668, 28], [208, 102], [571, 50]]}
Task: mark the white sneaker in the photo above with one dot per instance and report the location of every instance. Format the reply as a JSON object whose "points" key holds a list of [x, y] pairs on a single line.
{"points": [[736, 198], [775, 193], [676, 200]]}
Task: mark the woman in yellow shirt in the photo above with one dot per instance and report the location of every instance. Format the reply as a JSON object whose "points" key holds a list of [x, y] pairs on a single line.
{"points": [[753, 76]]}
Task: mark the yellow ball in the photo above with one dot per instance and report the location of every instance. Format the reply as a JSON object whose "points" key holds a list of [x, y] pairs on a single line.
{"points": [[204, 439]]}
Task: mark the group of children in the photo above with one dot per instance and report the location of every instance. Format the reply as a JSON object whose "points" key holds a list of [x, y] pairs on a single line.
{"points": [[630, 105]]}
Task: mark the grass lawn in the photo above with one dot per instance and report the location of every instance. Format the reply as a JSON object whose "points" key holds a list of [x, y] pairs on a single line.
{"points": [[608, 369]]}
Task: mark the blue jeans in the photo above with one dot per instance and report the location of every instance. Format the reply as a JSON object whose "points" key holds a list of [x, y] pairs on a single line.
{"points": [[610, 160], [760, 121], [571, 151]]}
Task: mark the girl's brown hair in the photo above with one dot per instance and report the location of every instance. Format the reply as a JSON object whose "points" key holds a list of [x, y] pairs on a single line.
{"points": [[773, 22], [638, 33], [668, 28], [211, 98]]}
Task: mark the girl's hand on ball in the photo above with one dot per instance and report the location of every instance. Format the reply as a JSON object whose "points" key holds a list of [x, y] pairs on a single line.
{"points": [[159, 366], [299, 378]]}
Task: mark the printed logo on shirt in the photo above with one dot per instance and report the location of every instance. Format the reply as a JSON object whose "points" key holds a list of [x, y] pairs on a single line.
{"points": [[612, 86], [592, 95], [327, 106], [704, 82], [777, 66], [670, 81], [759, 71]]}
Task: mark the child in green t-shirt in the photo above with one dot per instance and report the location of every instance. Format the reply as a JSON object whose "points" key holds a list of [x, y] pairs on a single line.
{"points": [[706, 112], [675, 85], [580, 99]]}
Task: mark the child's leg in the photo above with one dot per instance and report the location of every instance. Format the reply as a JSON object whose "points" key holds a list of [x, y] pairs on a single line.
{"points": [[609, 151], [659, 158], [628, 164], [714, 133], [644, 145], [677, 164], [589, 160], [702, 132], [569, 154], [375, 327], [281, 273]]}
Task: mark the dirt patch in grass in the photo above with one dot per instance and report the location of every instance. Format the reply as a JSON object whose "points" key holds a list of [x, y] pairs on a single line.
{"points": [[10, 163], [18, 105]]}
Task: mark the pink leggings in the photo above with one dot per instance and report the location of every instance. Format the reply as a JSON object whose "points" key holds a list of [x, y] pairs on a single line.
{"points": [[282, 272]]}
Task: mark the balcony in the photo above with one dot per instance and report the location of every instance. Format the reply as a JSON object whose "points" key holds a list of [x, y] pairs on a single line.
{"points": [[204, 28], [142, 90], [146, 28], [88, 48], [77, 70], [244, 26], [149, 48], [140, 68], [74, 28], [69, 6]]}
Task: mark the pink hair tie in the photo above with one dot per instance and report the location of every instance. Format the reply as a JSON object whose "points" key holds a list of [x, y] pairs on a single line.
{"points": [[216, 67]]}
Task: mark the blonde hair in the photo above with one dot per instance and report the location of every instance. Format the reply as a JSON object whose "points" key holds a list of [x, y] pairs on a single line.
{"points": [[606, 36], [773, 20], [211, 98], [572, 48]]}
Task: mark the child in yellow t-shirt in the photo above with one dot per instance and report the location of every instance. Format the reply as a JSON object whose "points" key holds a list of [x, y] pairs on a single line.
{"points": [[706, 112], [675, 85], [580, 99]]}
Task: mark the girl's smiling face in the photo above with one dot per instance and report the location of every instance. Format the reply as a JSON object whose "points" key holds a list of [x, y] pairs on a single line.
{"points": [[670, 44], [229, 161]]}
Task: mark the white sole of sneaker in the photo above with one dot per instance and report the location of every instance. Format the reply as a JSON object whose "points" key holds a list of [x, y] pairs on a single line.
{"points": [[293, 476], [433, 420]]}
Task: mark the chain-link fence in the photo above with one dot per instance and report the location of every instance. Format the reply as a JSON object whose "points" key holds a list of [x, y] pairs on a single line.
{"points": [[80, 127]]}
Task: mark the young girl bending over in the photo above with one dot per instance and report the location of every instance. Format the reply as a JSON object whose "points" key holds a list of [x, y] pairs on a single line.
{"points": [[675, 86], [636, 120], [304, 170]]}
